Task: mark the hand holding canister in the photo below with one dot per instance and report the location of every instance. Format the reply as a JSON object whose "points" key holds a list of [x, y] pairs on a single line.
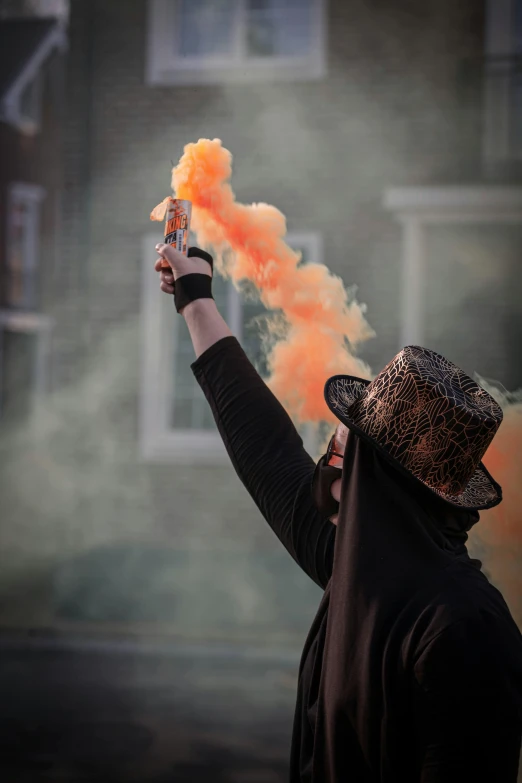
{"points": [[187, 277], [173, 264]]}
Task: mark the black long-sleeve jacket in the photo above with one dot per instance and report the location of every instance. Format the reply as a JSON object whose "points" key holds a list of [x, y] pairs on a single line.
{"points": [[459, 720]]}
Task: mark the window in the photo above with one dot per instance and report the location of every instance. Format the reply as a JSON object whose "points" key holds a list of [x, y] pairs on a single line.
{"points": [[213, 41], [503, 84], [24, 332], [176, 421], [19, 289], [25, 350], [517, 114], [471, 236], [31, 105]]}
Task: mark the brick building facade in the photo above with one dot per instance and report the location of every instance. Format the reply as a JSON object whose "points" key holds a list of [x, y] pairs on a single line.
{"points": [[31, 188], [391, 123]]}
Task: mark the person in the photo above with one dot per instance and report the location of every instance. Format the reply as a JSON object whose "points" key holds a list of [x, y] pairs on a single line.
{"points": [[412, 669]]}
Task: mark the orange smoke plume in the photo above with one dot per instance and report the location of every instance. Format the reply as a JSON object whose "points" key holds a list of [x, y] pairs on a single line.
{"points": [[321, 324], [318, 331], [499, 532]]}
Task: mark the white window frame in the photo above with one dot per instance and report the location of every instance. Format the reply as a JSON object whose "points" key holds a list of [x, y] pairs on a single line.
{"points": [[163, 67], [31, 196], [29, 321], [416, 208], [158, 442], [500, 46]]}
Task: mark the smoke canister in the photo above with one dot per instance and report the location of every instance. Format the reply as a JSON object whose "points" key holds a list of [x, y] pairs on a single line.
{"points": [[177, 225]]}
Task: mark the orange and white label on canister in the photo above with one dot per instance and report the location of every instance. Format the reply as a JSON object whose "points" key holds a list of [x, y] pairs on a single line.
{"points": [[177, 225]]}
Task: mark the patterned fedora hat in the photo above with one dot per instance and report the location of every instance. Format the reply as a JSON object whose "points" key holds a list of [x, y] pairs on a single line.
{"points": [[429, 419]]}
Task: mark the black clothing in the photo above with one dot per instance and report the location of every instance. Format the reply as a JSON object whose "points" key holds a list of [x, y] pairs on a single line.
{"points": [[412, 669], [322, 480], [187, 288]]}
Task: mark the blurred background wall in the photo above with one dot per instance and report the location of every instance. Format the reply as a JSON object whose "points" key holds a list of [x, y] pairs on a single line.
{"points": [[389, 134]]}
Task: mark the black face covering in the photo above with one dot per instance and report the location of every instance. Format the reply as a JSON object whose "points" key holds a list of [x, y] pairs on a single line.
{"points": [[452, 524], [324, 477]]}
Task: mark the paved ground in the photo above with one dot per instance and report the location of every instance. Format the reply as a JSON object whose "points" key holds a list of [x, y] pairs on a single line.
{"points": [[118, 713]]}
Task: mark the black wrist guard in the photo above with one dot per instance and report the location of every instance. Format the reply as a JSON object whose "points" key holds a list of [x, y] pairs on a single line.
{"points": [[195, 285]]}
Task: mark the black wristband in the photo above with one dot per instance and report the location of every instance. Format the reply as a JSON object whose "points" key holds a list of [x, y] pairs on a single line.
{"points": [[194, 285], [190, 287]]}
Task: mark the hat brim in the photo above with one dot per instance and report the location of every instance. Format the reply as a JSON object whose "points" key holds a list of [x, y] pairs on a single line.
{"points": [[342, 391]]}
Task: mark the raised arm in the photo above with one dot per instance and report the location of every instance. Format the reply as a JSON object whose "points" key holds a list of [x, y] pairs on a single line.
{"points": [[264, 446]]}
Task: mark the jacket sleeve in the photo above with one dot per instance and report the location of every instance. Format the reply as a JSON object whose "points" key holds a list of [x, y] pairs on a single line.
{"points": [[268, 455], [467, 705]]}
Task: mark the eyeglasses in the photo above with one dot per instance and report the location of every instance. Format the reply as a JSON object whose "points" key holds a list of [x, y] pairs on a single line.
{"points": [[333, 458]]}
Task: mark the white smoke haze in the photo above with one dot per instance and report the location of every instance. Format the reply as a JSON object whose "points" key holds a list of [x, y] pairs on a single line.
{"points": [[82, 513], [94, 542], [71, 478]]}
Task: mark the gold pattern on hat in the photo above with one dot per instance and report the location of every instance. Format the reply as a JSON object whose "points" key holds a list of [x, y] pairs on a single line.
{"points": [[430, 417]]}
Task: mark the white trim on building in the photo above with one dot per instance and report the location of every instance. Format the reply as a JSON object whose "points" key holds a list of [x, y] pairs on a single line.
{"points": [[159, 442], [28, 197], [416, 208], [502, 86], [166, 66], [23, 318], [11, 110]]}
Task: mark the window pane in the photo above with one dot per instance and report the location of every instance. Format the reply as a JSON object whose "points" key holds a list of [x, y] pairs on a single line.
{"points": [[207, 27], [476, 320], [17, 363], [278, 28], [30, 102], [16, 256], [186, 411], [18, 276], [190, 409], [515, 76], [181, 413], [253, 312], [305, 253], [518, 26]]}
